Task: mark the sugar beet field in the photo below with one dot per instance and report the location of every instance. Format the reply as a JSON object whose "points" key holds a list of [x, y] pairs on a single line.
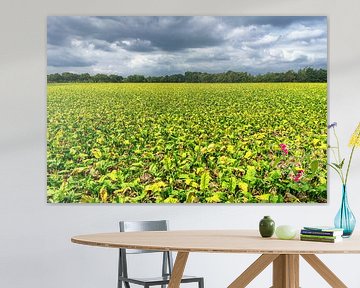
{"points": [[187, 143]]}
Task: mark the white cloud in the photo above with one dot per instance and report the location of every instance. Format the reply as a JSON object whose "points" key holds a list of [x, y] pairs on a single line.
{"points": [[263, 41], [240, 33], [305, 33]]}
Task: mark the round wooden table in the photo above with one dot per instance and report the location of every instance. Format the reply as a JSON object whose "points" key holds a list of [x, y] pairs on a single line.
{"points": [[284, 254]]}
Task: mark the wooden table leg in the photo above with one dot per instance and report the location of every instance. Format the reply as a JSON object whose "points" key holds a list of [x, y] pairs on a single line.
{"points": [[324, 271], [178, 270], [286, 271], [253, 270], [279, 269], [293, 264]]}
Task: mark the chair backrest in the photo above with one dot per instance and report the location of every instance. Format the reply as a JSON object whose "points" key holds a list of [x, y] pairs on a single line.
{"points": [[134, 226]]}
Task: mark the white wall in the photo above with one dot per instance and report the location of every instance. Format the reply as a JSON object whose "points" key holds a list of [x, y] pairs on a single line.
{"points": [[35, 248]]}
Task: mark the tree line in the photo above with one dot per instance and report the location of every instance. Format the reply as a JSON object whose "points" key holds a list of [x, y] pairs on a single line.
{"points": [[307, 74]]}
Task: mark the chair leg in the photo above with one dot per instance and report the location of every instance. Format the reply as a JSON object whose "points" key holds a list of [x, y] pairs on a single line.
{"points": [[120, 273], [126, 284], [201, 283]]}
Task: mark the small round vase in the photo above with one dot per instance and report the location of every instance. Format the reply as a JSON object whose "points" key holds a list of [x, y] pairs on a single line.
{"points": [[266, 227], [285, 232], [345, 219]]}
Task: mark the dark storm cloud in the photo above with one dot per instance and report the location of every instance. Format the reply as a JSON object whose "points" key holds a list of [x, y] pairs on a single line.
{"points": [[65, 58], [165, 33], [167, 45], [136, 45], [276, 21]]}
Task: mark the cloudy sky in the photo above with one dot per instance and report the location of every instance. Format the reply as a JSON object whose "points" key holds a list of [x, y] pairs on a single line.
{"points": [[169, 45]]}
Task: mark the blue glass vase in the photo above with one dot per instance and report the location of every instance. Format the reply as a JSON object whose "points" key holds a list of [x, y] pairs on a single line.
{"points": [[345, 219]]}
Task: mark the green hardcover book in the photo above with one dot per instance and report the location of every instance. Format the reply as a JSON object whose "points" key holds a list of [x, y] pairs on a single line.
{"points": [[325, 240], [319, 236]]}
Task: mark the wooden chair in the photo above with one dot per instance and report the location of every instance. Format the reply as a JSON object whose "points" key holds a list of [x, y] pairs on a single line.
{"points": [[167, 262]]}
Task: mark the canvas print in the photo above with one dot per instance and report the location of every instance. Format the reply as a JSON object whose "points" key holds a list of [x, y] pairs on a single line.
{"points": [[186, 109]]}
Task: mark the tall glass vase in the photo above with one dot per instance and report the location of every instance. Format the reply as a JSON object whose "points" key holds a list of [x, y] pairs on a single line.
{"points": [[345, 219]]}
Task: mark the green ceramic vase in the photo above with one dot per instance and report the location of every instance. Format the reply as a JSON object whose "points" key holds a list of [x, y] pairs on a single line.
{"points": [[266, 227]]}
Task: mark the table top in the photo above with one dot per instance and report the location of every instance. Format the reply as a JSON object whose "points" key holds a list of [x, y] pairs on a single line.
{"points": [[217, 241]]}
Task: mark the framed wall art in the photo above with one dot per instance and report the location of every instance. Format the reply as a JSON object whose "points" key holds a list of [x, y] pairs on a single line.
{"points": [[197, 109]]}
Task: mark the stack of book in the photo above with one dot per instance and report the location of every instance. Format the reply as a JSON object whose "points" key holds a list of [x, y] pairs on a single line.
{"points": [[321, 234]]}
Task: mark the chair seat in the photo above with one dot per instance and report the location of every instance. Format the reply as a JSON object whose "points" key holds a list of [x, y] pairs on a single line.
{"points": [[158, 280]]}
